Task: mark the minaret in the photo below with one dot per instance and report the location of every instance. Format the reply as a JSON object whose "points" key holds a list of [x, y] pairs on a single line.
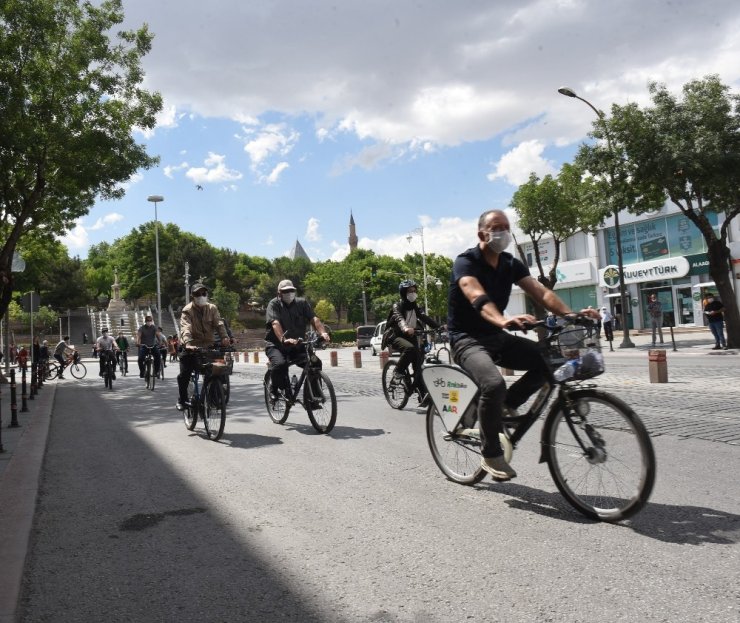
{"points": [[352, 233]]}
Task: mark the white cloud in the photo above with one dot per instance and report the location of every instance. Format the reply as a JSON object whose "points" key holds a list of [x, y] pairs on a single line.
{"points": [[165, 118], [170, 169], [312, 230], [516, 165], [275, 173], [108, 219], [270, 140], [215, 171]]}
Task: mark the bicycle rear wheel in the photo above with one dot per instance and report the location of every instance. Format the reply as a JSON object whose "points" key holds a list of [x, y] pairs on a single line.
{"points": [[51, 371], [278, 408], [458, 456], [215, 416], [78, 370], [151, 380], [190, 413], [226, 384], [394, 389], [321, 408], [613, 477]]}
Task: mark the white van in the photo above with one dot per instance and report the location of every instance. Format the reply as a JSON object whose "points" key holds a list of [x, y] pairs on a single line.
{"points": [[377, 338]]}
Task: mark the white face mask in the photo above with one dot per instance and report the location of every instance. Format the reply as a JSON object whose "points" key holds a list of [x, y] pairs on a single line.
{"points": [[200, 300], [287, 297], [498, 241], [149, 323], [411, 297]]}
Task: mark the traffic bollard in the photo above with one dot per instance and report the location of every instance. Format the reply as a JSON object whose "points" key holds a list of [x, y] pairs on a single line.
{"points": [[24, 395], [32, 393], [358, 358], [657, 366], [1, 420], [507, 371], [256, 357], [13, 404], [384, 356], [333, 359]]}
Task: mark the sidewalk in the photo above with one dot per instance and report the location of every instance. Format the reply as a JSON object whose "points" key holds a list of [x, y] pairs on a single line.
{"points": [[20, 469]]}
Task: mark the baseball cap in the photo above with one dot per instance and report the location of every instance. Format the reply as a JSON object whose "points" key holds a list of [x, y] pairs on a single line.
{"points": [[285, 285], [197, 287]]}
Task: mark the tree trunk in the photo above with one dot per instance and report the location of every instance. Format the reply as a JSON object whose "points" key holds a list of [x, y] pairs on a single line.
{"points": [[719, 257]]}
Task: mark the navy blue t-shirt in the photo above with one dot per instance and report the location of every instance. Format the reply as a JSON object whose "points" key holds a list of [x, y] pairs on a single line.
{"points": [[462, 318]]}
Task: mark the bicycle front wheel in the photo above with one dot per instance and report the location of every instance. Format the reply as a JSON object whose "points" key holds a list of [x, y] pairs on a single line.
{"points": [[610, 474], [190, 413], [277, 408], [226, 383], [151, 381], [78, 370], [215, 418], [320, 402], [458, 456], [394, 389]]}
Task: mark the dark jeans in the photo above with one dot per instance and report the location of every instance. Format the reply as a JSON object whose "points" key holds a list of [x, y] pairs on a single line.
{"points": [[142, 353], [479, 357], [62, 363], [718, 331], [410, 354], [188, 360], [608, 331], [281, 360], [656, 324], [104, 355]]}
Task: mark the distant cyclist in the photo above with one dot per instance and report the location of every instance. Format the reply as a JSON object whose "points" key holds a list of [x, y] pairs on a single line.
{"points": [[107, 348], [406, 319], [61, 350], [146, 337], [122, 353]]}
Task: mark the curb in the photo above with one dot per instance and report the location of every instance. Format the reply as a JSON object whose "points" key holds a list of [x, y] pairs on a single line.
{"points": [[19, 484]]}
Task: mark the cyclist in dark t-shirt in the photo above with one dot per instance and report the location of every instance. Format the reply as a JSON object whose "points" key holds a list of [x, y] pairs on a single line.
{"points": [[482, 279]]}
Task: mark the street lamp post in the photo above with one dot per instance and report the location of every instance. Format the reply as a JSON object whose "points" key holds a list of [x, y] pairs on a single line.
{"points": [[187, 284], [155, 199], [420, 231], [626, 342]]}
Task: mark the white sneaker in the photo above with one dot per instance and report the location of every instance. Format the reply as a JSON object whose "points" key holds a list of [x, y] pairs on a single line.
{"points": [[498, 468]]}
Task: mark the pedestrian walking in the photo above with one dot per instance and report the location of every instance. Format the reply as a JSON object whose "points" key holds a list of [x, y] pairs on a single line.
{"points": [[607, 320], [714, 311]]}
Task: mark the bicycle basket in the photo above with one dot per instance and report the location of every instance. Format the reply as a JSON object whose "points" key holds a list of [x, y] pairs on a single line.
{"points": [[213, 363], [580, 348]]}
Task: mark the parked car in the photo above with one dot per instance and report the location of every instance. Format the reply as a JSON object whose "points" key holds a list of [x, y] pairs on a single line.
{"points": [[364, 335], [377, 338]]}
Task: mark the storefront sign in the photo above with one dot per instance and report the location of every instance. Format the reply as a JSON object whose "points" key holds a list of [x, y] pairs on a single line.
{"points": [[669, 268], [698, 264]]}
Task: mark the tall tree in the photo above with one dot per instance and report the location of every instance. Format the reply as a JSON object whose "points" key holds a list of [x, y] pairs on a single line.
{"points": [[689, 148], [70, 97]]}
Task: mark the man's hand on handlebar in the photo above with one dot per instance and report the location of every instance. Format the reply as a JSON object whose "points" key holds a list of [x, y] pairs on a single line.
{"points": [[591, 313], [519, 322]]}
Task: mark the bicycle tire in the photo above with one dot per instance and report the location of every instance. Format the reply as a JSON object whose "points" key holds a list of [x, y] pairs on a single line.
{"points": [[215, 415], [190, 413], [395, 392], [322, 419], [121, 367], [78, 370], [279, 409], [151, 381], [51, 371], [161, 369], [458, 457], [226, 384], [613, 479]]}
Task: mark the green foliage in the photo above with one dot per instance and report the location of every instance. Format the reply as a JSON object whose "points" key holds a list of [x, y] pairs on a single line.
{"points": [[324, 309], [70, 100], [44, 317], [344, 336], [226, 301], [688, 149], [556, 208]]}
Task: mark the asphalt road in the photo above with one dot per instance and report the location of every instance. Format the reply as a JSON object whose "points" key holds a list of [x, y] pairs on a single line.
{"points": [[140, 520]]}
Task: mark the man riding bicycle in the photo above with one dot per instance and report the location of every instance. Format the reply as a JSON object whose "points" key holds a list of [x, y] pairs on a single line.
{"points": [[60, 352], [147, 338], [286, 320], [198, 322], [107, 349], [482, 278], [122, 353], [405, 319]]}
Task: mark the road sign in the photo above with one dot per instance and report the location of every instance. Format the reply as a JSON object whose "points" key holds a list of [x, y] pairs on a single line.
{"points": [[30, 302]]}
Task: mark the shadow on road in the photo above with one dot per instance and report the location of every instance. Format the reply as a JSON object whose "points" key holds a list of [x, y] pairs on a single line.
{"points": [[684, 525]]}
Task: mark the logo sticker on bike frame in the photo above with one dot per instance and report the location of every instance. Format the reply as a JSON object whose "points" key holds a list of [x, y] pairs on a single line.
{"points": [[451, 391]]}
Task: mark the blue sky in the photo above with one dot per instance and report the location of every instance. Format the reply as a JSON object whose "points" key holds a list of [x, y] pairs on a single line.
{"points": [[292, 114]]}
